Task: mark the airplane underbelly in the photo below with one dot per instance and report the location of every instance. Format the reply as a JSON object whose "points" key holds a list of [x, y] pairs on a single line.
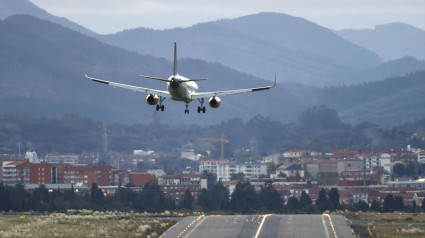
{"points": [[180, 94]]}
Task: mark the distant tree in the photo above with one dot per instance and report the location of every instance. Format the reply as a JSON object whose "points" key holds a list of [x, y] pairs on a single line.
{"points": [[187, 201], [305, 200], [69, 195], [375, 206], [334, 199], [220, 197], [322, 201], [126, 196], [153, 179], [40, 199], [398, 203], [320, 118], [244, 199], [293, 205], [205, 201], [414, 206], [270, 198], [281, 175], [423, 205], [153, 198], [238, 176], [20, 198], [388, 205], [361, 206], [410, 170], [96, 195], [5, 199], [399, 169], [211, 179]]}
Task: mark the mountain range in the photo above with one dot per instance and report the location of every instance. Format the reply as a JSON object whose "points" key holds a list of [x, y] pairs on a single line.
{"points": [[389, 41], [263, 44], [42, 66], [13, 7]]}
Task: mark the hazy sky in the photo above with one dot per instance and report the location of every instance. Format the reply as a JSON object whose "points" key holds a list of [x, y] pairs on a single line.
{"points": [[109, 16]]}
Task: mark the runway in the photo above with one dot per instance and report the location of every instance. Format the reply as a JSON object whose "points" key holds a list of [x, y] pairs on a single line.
{"points": [[301, 226]]}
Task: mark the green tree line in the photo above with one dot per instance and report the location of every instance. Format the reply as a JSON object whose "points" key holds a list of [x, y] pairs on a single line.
{"points": [[244, 200]]}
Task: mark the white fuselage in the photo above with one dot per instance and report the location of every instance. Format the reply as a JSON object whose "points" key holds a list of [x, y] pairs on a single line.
{"points": [[181, 89]]}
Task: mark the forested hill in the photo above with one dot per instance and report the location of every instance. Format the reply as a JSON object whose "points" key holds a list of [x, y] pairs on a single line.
{"points": [[317, 128], [381, 102]]}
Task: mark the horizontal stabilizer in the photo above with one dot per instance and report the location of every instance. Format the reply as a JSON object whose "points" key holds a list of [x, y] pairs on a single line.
{"points": [[156, 78], [196, 79]]}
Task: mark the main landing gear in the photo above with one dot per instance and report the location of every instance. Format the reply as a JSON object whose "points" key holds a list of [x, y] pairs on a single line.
{"points": [[201, 108], [160, 106], [187, 109]]}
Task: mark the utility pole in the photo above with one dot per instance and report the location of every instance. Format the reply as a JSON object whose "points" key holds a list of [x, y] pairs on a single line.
{"points": [[105, 156], [19, 149]]}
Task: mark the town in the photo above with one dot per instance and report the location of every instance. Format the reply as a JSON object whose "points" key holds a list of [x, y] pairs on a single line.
{"points": [[360, 177]]}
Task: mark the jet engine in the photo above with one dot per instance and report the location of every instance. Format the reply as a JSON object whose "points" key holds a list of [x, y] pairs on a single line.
{"points": [[214, 102], [152, 99]]}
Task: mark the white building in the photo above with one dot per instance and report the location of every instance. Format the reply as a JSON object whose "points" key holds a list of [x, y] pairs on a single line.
{"points": [[225, 169], [300, 153], [421, 157], [209, 165], [196, 157], [157, 172], [142, 152], [61, 159], [32, 157], [274, 158], [10, 173], [371, 161], [385, 161]]}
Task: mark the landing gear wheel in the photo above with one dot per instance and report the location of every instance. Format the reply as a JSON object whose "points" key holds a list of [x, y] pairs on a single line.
{"points": [[201, 108], [157, 107], [162, 108], [187, 109]]}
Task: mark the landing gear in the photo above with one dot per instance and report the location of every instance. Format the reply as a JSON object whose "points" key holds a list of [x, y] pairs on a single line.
{"points": [[201, 108], [187, 109], [160, 106]]}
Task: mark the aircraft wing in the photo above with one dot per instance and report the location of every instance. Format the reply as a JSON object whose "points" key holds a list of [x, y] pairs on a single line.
{"points": [[131, 87], [229, 92]]}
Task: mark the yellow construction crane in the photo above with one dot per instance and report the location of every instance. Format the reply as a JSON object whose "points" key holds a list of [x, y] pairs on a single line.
{"points": [[222, 140]]}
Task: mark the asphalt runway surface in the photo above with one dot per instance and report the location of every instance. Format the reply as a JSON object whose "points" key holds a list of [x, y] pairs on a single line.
{"points": [[261, 226]]}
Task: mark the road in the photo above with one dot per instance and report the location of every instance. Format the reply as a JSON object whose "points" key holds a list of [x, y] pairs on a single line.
{"points": [[273, 226]]}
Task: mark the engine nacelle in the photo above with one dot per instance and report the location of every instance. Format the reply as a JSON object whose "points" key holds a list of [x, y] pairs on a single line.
{"points": [[214, 102], [152, 99]]}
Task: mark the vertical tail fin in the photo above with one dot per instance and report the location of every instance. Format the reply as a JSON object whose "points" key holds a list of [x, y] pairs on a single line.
{"points": [[175, 59]]}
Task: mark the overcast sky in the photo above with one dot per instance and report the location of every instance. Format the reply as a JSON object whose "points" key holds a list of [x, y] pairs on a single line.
{"points": [[110, 16]]}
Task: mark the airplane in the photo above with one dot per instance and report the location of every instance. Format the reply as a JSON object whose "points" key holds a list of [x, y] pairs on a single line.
{"points": [[180, 89]]}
